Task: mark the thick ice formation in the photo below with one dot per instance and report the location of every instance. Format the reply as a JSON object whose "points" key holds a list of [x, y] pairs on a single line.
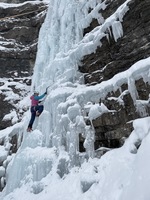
{"points": [[53, 147]]}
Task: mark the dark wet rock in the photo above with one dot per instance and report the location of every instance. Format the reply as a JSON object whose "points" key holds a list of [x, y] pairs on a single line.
{"points": [[120, 55], [113, 57], [19, 30]]}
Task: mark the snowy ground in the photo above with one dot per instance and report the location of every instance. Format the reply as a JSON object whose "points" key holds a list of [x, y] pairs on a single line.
{"points": [[117, 175]]}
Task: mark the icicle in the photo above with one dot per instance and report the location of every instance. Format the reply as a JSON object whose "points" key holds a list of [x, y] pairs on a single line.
{"points": [[89, 141], [141, 109], [73, 145], [132, 88], [117, 30]]}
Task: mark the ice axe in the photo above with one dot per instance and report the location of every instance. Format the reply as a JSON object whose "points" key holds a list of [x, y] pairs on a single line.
{"points": [[47, 89]]}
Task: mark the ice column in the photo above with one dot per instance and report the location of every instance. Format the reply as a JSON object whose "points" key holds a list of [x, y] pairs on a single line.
{"points": [[89, 141]]}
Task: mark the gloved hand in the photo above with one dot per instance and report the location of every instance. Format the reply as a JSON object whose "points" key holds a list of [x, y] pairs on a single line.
{"points": [[45, 93]]}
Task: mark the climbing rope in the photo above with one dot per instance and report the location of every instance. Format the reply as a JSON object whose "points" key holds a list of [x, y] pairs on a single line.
{"points": [[22, 14]]}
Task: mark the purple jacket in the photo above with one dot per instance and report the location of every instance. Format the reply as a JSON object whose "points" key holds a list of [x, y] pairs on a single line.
{"points": [[35, 99]]}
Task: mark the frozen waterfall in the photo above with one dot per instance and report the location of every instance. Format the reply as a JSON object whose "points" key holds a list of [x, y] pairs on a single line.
{"points": [[52, 150], [57, 130]]}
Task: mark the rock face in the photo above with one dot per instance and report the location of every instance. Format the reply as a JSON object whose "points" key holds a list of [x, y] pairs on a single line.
{"points": [[18, 36], [120, 55], [114, 57], [19, 29], [113, 127]]}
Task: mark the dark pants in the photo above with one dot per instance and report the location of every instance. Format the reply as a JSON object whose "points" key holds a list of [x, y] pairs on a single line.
{"points": [[34, 109]]}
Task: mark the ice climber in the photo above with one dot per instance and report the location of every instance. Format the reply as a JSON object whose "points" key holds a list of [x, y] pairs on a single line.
{"points": [[36, 109]]}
